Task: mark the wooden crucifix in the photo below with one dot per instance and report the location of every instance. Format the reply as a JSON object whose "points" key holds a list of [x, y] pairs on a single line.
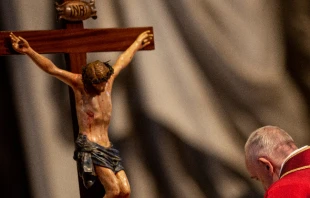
{"points": [[75, 41]]}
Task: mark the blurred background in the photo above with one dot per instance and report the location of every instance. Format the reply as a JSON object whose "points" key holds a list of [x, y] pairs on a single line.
{"points": [[182, 113]]}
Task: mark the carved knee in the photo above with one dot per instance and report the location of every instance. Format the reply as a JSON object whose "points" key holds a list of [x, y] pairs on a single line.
{"points": [[113, 191], [125, 192]]}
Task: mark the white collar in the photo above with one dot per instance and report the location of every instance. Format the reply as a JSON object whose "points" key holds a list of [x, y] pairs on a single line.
{"points": [[292, 153]]}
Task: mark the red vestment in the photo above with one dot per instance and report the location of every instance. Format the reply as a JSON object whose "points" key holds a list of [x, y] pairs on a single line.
{"points": [[294, 179]]}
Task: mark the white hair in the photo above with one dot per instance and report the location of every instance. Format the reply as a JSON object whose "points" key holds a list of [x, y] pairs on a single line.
{"points": [[270, 142]]}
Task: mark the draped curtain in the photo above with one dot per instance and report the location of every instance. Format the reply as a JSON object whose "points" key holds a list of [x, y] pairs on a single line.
{"points": [[181, 113]]}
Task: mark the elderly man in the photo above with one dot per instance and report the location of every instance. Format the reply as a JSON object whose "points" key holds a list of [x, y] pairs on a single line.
{"points": [[272, 158]]}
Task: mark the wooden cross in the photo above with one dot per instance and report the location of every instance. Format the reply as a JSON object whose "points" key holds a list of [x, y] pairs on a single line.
{"points": [[75, 42]]}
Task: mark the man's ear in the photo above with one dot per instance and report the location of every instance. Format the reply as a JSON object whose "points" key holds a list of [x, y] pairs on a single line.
{"points": [[267, 165]]}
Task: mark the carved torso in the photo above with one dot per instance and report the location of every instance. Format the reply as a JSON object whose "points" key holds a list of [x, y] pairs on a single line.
{"points": [[94, 114]]}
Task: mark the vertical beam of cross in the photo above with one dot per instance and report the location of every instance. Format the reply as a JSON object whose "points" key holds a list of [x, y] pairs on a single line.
{"points": [[74, 62]]}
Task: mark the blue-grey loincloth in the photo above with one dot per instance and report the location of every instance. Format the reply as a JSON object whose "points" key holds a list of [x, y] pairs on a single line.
{"points": [[88, 154]]}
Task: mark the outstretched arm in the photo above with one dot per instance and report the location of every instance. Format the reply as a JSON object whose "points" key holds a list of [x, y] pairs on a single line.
{"points": [[22, 46], [124, 59]]}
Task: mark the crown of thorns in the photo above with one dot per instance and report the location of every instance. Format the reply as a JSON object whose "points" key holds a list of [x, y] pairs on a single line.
{"points": [[88, 79]]}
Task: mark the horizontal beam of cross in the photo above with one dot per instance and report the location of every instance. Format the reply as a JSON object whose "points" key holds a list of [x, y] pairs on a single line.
{"points": [[75, 41]]}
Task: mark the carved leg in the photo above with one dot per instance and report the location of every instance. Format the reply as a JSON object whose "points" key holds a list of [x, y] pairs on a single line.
{"points": [[109, 181], [123, 184]]}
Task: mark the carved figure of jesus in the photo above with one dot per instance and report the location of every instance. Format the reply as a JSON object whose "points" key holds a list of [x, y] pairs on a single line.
{"points": [[94, 153]]}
